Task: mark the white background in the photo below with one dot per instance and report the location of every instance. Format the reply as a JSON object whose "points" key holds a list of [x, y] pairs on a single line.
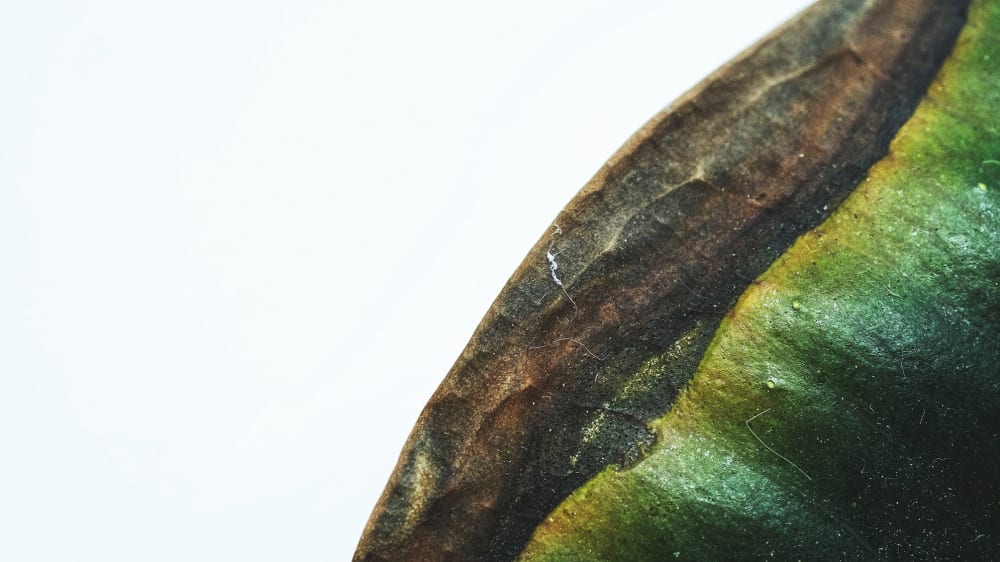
{"points": [[242, 242]]}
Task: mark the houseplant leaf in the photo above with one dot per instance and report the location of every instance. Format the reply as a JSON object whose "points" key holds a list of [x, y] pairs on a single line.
{"points": [[569, 397]]}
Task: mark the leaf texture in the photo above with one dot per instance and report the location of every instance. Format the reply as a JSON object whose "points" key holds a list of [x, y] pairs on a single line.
{"points": [[610, 314]]}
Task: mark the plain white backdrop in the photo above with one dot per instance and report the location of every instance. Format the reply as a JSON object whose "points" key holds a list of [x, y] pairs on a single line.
{"points": [[242, 242]]}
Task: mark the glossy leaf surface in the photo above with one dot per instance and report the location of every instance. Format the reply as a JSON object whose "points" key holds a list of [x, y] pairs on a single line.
{"points": [[575, 370]]}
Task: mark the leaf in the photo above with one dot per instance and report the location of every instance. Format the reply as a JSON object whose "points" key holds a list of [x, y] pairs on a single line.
{"points": [[563, 409]]}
